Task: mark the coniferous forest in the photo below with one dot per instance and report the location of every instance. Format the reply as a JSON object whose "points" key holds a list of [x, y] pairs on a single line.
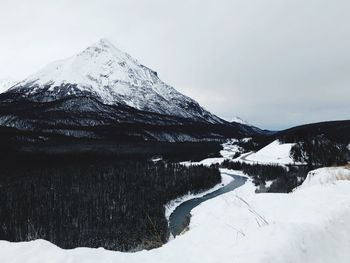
{"points": [[285, 179], [115, 204]]}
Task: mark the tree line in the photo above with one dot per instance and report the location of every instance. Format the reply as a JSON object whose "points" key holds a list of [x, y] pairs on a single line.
{"points": [[115, 204], [318, 151], [285, 179]]}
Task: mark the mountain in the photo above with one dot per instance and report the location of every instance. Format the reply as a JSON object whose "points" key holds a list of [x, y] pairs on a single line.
{"points": [[5, 84], [114, 77], [103, 93]]}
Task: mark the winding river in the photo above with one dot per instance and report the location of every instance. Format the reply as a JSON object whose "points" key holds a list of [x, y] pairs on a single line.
{"points": [[179, 219]]}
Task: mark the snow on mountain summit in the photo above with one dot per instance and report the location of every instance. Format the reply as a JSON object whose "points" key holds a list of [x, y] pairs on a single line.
{"points": [[5, 84], [115, 78], [99, 65]]}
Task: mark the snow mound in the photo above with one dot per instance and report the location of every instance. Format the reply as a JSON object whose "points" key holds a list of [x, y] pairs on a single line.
{"points": [[274, 153], [327, 175]]}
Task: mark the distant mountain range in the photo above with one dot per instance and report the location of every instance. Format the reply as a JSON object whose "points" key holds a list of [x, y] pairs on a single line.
{"points": [[102, 93]]}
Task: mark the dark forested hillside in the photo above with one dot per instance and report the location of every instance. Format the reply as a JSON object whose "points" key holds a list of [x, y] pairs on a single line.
{"points": [[319, 144], [337, 131], [86, 117], [116, 204]]}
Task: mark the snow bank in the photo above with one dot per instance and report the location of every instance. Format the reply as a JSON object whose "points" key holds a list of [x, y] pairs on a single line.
{"points": [[327, 175], [308, 225], [274, 153], [171, 206]]}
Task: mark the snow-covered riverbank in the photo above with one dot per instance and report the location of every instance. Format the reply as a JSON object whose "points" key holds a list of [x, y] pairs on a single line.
{"points": [[229, 149], [308, 225], [171, 206]]}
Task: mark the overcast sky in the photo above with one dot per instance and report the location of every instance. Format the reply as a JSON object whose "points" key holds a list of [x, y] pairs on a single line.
{"points": [[273, 63]]}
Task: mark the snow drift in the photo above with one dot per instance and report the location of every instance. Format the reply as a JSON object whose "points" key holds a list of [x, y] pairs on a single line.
{"points": [[327, 175]]}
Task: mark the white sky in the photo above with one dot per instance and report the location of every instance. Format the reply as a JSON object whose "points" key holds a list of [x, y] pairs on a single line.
{"points": [[274, 63]]}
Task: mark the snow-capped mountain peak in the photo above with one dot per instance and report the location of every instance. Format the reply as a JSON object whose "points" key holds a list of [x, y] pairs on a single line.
{"points": [[5, 84], [113, 76], [98, 66]]}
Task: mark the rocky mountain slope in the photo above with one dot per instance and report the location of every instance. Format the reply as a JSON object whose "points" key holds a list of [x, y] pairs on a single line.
{"points": [[114, 77], [103, 92]]}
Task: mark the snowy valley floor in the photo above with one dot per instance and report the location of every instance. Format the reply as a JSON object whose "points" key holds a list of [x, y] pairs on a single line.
{"points": [[308, 225]]}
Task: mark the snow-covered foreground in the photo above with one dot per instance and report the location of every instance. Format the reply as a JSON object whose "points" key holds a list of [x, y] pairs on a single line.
{"points": [[308, 225], [327, 175]]}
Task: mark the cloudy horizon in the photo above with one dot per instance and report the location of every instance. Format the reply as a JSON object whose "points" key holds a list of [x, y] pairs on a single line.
{"points": [[275, 64]]}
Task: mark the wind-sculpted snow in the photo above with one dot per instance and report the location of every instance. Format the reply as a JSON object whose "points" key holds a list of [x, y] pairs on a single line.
{"points": [[114, 77]]}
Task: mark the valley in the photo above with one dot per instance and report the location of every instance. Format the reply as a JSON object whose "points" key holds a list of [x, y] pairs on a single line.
{"points": [[102, 161]]}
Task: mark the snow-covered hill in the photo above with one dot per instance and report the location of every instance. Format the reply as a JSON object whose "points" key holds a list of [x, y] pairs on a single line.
{"points": [[274, 153], [115, 78], [326, 175]]}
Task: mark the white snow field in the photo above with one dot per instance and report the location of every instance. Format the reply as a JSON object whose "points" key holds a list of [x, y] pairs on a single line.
{"points": [[274, 153], [308, 225]]}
